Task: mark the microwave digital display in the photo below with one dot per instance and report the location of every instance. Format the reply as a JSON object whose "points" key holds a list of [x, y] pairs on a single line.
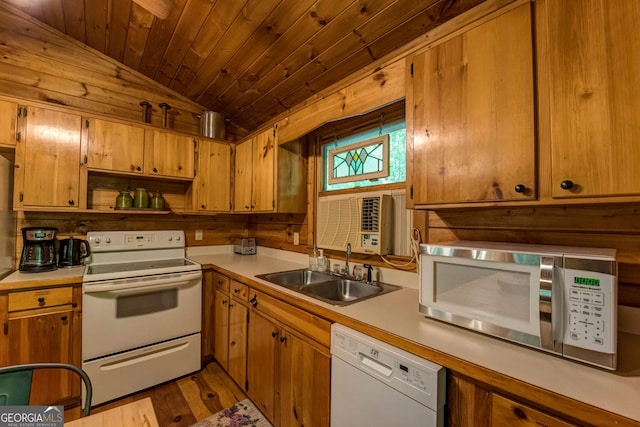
{"points": [[587, 281]]}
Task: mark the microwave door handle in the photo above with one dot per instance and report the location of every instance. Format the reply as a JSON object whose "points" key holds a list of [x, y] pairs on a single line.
{"points": [[550, 321]]}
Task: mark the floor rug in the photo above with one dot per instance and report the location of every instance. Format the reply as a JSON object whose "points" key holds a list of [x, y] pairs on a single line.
{"points": [[241, 414]]}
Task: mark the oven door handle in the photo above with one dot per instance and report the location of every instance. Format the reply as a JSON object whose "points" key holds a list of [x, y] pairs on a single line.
{"points": [[137, 286]]}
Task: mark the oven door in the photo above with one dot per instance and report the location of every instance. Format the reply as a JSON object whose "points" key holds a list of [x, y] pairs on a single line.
{"points": [[129, 313], [508, 296]]}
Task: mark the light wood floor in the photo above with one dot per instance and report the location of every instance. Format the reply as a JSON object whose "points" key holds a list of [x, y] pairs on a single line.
{"points": [[186, 400]]}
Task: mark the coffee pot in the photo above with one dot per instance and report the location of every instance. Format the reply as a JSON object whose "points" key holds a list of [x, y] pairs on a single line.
{"points": [[38, 251], [72, 252]]}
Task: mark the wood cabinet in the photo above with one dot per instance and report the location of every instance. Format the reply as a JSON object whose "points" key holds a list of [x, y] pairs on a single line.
{"points": [[8, 119], [207, 337], [283, 361], [507, 413], [270, 177], [169, 154], [212, 182], [47, 173], [470, 115], [230, 330], [589, 64], [115, 146], [43, 325]]}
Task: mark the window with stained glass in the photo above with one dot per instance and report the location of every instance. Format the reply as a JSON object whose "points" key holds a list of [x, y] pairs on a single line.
{"points": [[374, 157]]}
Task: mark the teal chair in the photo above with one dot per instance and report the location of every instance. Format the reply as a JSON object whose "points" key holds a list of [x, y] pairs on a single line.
{"points": [[15, 383]]}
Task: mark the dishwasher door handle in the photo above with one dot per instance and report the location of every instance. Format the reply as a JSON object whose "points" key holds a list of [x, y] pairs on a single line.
{"points": [[377, 366]]}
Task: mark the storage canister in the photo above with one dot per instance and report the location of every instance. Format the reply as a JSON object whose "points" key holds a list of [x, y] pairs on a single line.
{"points": [[212, 125], [141, 198]]}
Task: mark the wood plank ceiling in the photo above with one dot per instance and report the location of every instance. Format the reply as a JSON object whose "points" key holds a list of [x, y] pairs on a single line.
{"points": [[248, 59]]}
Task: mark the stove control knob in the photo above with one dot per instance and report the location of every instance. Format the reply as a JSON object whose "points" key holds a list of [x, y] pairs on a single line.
{"points": [[177, 238], [97, 240], [107, 240], [170, 238]]}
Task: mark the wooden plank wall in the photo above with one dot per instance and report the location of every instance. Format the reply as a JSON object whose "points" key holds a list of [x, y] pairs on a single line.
{"points": [[217, 230], [613, 226], [40, 63]]}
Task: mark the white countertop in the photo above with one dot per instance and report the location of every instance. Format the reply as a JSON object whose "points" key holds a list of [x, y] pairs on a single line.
{"points": [[397, 313], [63, 273]]}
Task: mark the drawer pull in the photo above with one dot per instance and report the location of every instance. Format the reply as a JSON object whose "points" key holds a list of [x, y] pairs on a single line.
{"points": [[236, 291], [254, 301], [41, 300]]}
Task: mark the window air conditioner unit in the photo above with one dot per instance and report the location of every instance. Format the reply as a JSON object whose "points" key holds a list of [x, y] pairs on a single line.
{"points": [[365, 222]]}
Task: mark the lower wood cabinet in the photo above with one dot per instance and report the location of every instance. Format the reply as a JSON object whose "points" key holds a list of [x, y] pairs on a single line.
{"points": [[507, 413], [288, 373], [43, 325]]}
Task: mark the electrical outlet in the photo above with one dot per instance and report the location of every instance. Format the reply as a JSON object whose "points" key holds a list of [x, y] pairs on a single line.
{"points": [[198, 234], [296, 238]]}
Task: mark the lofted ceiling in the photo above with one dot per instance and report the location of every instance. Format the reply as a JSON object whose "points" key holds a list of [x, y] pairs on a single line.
{"points": [[247, 59]]}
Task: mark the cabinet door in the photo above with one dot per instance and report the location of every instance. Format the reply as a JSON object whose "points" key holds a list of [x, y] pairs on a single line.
{"points": [[261, 362], [39, 338], [48, 160], [115, 146], [264, 148], [507, 413], [221, 335], [304, 383], [213, 177], [473, 115], [169, 154], [208, 310], [242, 181], [238, 342], [594, 96], [8, 118]]}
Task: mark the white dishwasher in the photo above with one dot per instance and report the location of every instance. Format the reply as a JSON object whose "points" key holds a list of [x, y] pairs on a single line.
{"points": [[376, 384]]}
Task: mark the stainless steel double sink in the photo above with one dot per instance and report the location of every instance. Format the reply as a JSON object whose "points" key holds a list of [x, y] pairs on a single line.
{"points": [[327, 287]]}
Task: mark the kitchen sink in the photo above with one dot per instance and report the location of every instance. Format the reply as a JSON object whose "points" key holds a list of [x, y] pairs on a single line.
{"points": [[332, 289], [295, 278]]}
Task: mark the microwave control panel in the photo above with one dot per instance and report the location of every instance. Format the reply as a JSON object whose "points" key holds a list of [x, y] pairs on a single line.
{"points": [[590, 302]]}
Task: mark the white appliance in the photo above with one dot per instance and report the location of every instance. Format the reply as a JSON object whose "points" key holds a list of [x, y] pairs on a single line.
{"points": [[365, 222], [558, 299], [375, 384], [141, 311]]}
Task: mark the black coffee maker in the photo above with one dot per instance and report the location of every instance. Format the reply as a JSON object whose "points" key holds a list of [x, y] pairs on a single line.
{"points": [[38, 250], [72, 252]]}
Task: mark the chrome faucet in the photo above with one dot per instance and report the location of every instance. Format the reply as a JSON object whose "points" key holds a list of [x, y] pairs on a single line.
{"points": [[346, 261]]}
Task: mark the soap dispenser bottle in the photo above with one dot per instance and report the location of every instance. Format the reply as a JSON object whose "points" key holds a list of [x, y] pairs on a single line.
{"points": [[323, 262], [313, 259]]}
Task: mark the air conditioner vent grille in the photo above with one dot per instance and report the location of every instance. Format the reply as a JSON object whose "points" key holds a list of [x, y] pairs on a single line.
{"points": [[370, 214]]}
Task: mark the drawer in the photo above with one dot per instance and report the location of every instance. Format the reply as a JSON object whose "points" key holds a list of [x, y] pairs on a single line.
{"points": [[239, 291], [506, 412], [304, 322], [40, 298], [221, 281]]}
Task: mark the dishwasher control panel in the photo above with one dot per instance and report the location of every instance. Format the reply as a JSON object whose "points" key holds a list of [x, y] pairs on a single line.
{"points": [[418, 378]]}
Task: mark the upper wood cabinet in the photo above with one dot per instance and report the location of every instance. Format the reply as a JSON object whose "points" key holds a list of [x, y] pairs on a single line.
{"points": [[270, 177], [213, 177], [8, 118], [123, 148], [169, 154], [470, 115], [589, 63], [114, 146], [48, 161]]}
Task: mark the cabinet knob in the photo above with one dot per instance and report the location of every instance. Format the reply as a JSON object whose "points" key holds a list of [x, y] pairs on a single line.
{"points": [[224, 301], [235, 291], [155, 169], [246, 206], [274, 334], [138, 168], [566, 184], [71, 202], [41, 300], [254, 301], [231, 305], [64, 318], [520, 188], [283, 339], [203, 206]]}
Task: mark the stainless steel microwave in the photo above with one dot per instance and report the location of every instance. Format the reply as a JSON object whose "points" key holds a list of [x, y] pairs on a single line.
{"points": [[559, 299]]}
